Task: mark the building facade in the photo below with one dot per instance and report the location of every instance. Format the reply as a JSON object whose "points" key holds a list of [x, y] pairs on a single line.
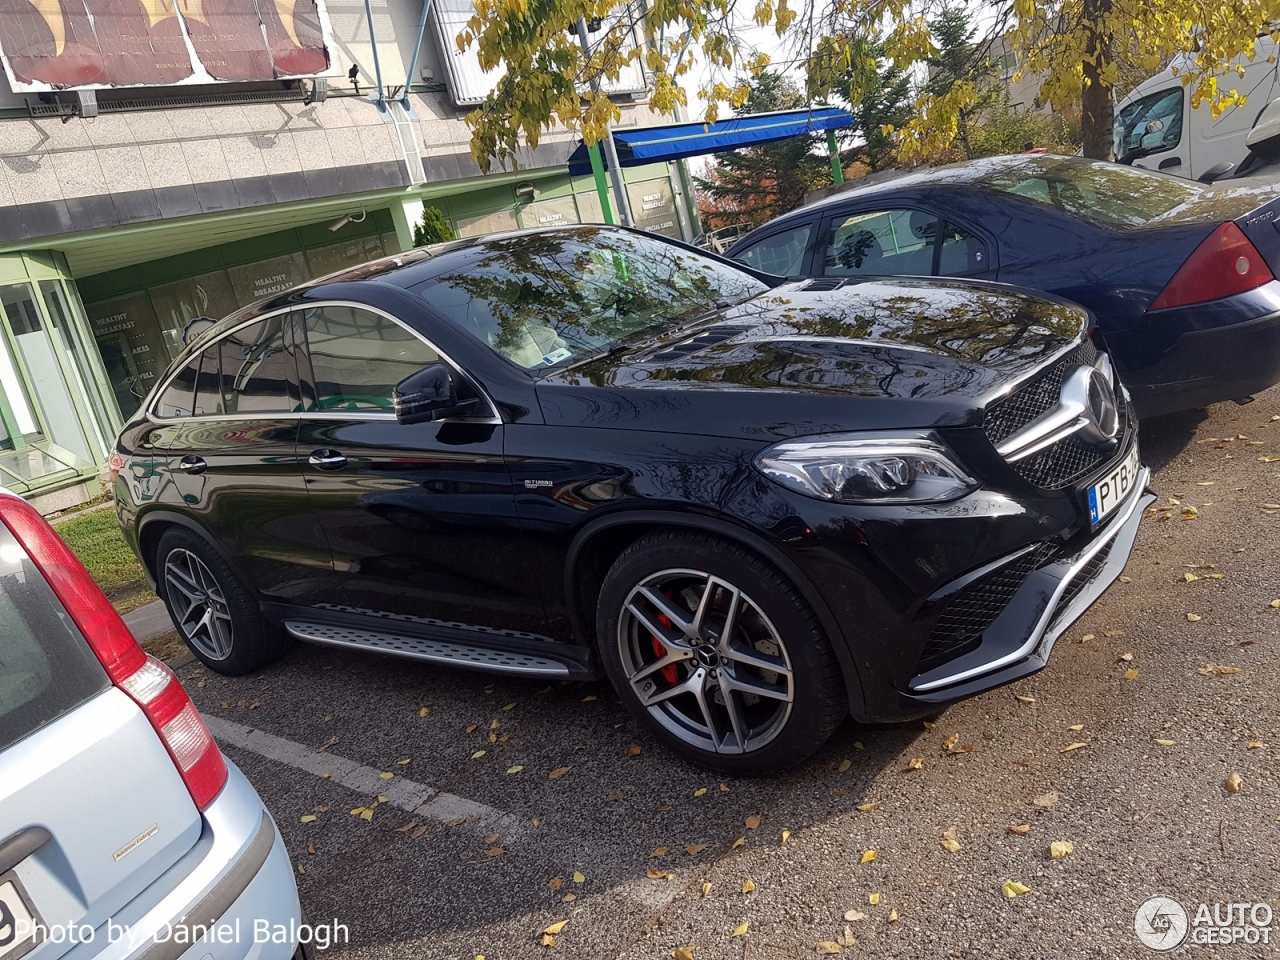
{"points": [[128, 213]]}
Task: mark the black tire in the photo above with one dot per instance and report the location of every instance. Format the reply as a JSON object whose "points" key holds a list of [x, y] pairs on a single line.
{"points": [[233, 639], [772, 624]]}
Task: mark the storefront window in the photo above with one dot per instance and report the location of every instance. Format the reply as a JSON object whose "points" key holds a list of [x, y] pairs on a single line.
{"points": [[339, 256], [253, 281], [133, 347], [70, 341]]}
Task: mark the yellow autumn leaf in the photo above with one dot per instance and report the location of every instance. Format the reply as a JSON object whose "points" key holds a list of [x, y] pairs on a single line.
{"points": [[495, 725], [578, 877], [853, 916], [700, 792], [386, 776], [1012, 888], [1193, 617], [366, 813], [874, 899], [786, 835], [868, 856], [868, 807], [548, 940], [1166, 743], [1022, 699], [424, 712], [893, 915], [827, 947], [951, 844], [1059, 849], [1131, 674], [1076, 727], [1021, 829], [682, 953], [404, 762], [1255, 745], [748, 885], [1235, 783], [845, 765], [951, 741], [556, 927], [659, 852], [311, 817], [723, 788], [1275, 603], [706, 889], [1073, 746], [477, 755], [653, 874], [357, 811], [740, 842], [915, 763], [509, 706], [515, 769], [741, 929]]}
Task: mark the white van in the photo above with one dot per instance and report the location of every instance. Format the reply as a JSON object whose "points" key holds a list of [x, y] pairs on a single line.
{"points": [[1158, 116]]}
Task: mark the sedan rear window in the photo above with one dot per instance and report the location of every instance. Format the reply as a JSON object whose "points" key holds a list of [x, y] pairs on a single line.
{"points": [[46, 668], [1106, 193], [548, 299]]}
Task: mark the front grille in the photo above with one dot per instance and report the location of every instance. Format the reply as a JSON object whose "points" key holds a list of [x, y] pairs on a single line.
{"points": [[1063, 463], [1088, 573], [970, 612]]}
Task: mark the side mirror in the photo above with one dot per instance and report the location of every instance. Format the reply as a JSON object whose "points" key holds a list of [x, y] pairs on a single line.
{"points": [[1216, 172], [429, 394]]}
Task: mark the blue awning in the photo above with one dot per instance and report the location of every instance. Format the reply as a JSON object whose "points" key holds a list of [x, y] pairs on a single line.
{"points": [[678, 140]]}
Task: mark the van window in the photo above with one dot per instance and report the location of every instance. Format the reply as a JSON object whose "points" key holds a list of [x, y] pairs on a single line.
{"points": [[46, 668], [781, 254], [1153, 122]]}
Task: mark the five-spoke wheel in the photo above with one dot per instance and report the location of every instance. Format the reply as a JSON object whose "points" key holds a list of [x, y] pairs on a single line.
{"points": [[717, 653], [199, 607]]}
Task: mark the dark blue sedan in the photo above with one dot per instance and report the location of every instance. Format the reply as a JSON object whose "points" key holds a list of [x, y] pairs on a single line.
{"points": [[1181, 276]]}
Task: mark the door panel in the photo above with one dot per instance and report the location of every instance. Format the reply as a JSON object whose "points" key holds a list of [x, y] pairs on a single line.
{"points": [[235, 463], [420, 518]]}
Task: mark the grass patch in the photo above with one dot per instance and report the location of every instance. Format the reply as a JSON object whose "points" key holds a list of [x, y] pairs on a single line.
{"points": [[96, 539]]}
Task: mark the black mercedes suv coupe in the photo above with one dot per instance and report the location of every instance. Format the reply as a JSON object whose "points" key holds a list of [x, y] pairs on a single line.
{"points": [[755, 506]]}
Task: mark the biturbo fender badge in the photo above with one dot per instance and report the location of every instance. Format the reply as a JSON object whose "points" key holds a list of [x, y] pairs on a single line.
{"points": [[1086, 406]]}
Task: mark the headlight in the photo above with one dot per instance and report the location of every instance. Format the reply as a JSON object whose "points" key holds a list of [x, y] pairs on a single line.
{"points": [[853, 468]]}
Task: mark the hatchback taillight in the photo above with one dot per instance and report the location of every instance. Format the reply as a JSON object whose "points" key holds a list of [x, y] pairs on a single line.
{"points": [[115, 463], [1224, 264], [143, 678]]}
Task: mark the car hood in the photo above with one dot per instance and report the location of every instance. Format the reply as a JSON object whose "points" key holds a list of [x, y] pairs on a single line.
{"points": [[804, 358]]}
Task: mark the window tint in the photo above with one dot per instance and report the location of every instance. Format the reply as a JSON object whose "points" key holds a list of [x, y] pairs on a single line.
{"points": [[46, 668], [885, 243], [961, 252], [1154, 122], [208, 401], [256, 369], [177, 396], [781, 254], [358, 356]]}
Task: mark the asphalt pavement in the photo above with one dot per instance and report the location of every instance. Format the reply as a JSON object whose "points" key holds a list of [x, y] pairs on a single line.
{"points": [[512, 806]]}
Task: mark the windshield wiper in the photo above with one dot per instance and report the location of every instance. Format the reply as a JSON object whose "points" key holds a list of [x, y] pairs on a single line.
{"points": [[616, 346]]}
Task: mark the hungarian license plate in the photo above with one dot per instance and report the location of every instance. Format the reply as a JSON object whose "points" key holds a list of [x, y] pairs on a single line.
{"points": [[1111, 491], [17, 920]]}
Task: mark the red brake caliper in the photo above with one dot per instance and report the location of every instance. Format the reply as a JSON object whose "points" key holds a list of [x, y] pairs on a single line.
{"points": [[669, 673]]}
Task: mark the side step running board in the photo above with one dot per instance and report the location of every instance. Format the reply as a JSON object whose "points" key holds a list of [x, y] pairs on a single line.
{"points": [[435, 651]]}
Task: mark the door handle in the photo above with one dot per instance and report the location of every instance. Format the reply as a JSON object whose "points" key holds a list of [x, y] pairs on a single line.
{"points": [[327, 460], [1168, 162], [195, 465]]}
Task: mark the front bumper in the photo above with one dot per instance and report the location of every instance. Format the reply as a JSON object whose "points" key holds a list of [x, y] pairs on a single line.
{"points": [[1052, 598], [237, 875]]}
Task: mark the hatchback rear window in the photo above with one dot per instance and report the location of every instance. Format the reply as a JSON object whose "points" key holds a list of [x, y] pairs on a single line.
{"points": [[1106, 193], [46, 668]]}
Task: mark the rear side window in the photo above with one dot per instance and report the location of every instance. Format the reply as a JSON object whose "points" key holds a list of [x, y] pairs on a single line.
{"points": [[358, 356], [781, 254], [46, 668], [177, 399], [257, 371], [887, 243], [960, 252]]}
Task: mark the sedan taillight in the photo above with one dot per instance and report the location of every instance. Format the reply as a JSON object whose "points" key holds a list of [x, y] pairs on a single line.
{"points": [[1224, 264], [146, 680]]}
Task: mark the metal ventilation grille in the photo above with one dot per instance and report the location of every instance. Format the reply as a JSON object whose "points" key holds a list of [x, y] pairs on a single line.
{"points": [[823, 283], [1066, 461], [969, 613], [1088, 573], [500, 661], [705, 339]]}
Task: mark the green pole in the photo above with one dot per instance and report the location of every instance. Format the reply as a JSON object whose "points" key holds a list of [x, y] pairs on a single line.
{"points": [[602, 184], [837, 172]]}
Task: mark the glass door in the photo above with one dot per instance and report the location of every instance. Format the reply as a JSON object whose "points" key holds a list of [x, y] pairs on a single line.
{"points": [[69, 342]]}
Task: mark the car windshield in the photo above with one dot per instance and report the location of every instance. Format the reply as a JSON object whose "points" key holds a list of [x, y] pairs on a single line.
{"points": [[1105, 193], [550, 299]]}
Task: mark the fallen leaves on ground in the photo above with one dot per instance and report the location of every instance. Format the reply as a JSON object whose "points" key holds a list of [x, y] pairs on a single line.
{"points": [[494, 852], [893, 915], [748, 885], [1012, 888], [706, 888], [1023, 699], [578, 877], [741, 929], [1130, 674], [632, 751], [1211, 669], [853, 916], [1235, 783], [845, 765], [404, 763], [1046, 799], [868, 807], [478, 754], [700, 792], [1255, 745], [786, 835], [1059, 849], [682, 953], [1073, 746], [1193, 617], [753, 821], [556, 927], [1021, 829], [949, 841], [694, 849], [869, 856], [309, 818], [555, 883], [559, 772], [653, 874], [1167, 743], [659, 852], [1076, 727], [825, 947], [515, 769], [740, 842], [915, 763], [424, 712], [473, 728], [873, 899], [952, 745]]}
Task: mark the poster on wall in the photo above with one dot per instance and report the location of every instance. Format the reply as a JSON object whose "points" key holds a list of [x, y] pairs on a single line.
{"points": [[95, 44]]}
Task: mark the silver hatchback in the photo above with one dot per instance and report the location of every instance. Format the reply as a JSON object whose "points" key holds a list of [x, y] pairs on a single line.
{"points": [[124, 832]]}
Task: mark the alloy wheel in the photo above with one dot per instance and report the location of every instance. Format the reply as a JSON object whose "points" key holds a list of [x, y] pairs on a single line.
{"points": [[198, 604], [705, 661]]}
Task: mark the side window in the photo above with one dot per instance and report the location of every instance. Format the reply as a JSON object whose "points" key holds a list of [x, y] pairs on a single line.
{"points": [[358, 356], [176, 401], [781, 253], [257, 369], [961, 252], [885, 243], [208, 401], [1154, 122]]}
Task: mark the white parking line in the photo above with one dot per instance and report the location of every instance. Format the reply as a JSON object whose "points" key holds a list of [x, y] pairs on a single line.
{"points": [[417, 799]]}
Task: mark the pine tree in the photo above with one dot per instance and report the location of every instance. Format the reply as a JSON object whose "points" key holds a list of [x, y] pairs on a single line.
{"points": [[432, 228]]}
